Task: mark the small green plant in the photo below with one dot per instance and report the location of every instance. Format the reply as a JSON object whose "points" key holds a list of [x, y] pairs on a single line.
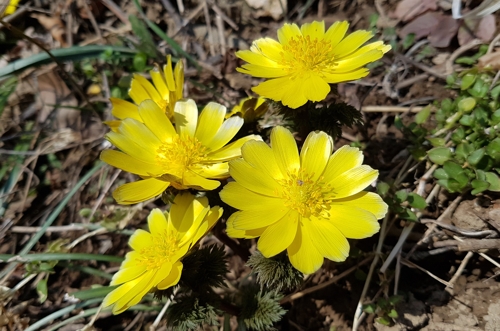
{"points": [[463, 137], [385, 309]]}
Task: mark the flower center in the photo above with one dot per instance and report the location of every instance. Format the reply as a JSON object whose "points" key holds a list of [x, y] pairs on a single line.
{"points": [[305, 54], [159, 252], [306, 196], [181, 154]]}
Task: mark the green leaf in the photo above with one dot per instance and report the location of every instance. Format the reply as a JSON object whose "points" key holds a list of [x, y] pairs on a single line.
{"points": [[422, 115], [401, 196], [437, 142], [42, 290], [440, 174], [408, 215], [493, 149], [476, 156], [467, 120], [6, 89], [467, 81], [439, 155], [369, 308], [494, 181], [97, 292], [416, 201], [495, 117], [383, 188], [140, 62], [463, 150], [383, 320], [466, 105], [479, 186], [393, 314], [495, 92]]}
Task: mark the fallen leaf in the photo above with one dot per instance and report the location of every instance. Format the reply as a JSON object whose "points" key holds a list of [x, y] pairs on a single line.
{"points": [[265, 8], [438, 28], [54, 25], [409, 9], [483, 28], [486, 29], [491, 61]]}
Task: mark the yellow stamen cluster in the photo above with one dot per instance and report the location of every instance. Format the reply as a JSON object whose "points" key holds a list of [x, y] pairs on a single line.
{"points": [[181, 153], [162, 248], [305, 54]]}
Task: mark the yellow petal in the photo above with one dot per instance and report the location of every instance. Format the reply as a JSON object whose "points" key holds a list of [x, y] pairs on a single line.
{"points": [[179, 79], [233, 150], [315, 88], [333, 78], [287, 32], [182, 202], [139, 133], [351, 43], [260, 156], [343, 159], [226, 132], [328, 240], [273, 88], [140, 239], [209, 122], [303, 253], [354, 222], [192, 179], [314, 29], [253, 179], [236, 233], [336, 32], [285, 150], [258, 70], [315, 153], [120, 291], [139, 191], [254, 219], [159, 81], [169, 76], [353, 181], [208, 223], [214, 171], [147, 87], [369, 201], [157, 223], [351, 63], [124, 109], [193, 217], [260, 59], [237, 196], [156, 120], [294, 95], [278, 236], [173, 277], [186, 118], [130, 164], [128, 274], [130, 147]]}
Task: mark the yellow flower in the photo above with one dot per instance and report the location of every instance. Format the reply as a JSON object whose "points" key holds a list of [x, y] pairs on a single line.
{"points": [[250, 109], [307, 204], [155, 261], [306, 59], [10, 8], [194, 154], [166, 91]]}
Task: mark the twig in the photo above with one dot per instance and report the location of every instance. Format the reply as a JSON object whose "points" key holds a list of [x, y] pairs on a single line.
{"points": [[163, 311], [459, 51], [413, 265], [493, 43], [315, 288], [387, 109], [211, 39], [460, 269], [467, 233], [117, 11], [93, 21]]}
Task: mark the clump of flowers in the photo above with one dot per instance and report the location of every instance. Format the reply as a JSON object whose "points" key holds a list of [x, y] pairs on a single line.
{"points": [[156, 259], [194, 154], [166, 90], [307, 204], [304, 61]]}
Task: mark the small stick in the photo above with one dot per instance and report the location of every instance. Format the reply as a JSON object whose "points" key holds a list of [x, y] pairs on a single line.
{"points": [[413, 265], [387, 109], [460, 269]]}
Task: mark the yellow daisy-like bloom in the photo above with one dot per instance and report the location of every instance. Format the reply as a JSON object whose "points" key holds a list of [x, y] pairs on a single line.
{"points": [[307, 204], [250, 109], [194, 154], [10, 8], [307, 59], [166, 91], [155, 262]]}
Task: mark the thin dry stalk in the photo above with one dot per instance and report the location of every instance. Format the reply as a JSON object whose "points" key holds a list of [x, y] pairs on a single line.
{"points": [[460, 269], [413, 265]]}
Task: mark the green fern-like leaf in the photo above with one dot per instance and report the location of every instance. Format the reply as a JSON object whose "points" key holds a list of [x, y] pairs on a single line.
{"points": [[276, 272], [190, 313], [260, 310]]}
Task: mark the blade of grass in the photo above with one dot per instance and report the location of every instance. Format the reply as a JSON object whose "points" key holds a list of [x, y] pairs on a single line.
{"points": [[59, 257], [99, 292], [87, 270], [175, 46], [62, 54], [29, 245]]}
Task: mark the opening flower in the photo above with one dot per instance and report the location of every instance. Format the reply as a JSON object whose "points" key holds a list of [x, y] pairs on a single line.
{"points": [[166, 91], [250, 109], [307, 204], [10, 8], [306, 59], [155, 262], [194, 154]]}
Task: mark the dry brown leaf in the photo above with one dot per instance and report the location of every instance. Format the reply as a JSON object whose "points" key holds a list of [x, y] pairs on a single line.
{"points": [[53, 93], [440, 29], [265, 8], [491, 60], [54, 25], [408, 9], [483, 28]]}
